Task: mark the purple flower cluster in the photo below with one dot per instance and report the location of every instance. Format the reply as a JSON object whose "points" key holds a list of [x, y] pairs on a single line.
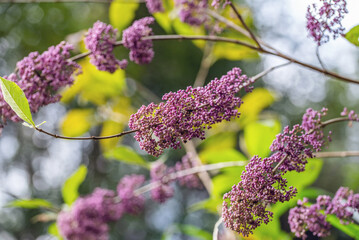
{"points": [[313, 218], [154, 6], [190, 181], [164, 175], [192, 11], [89, 216], [185, 114], [141, 51], [159, 173], [262, 184], [326, 20], [100, 40], [40, 76], [351, 114]]}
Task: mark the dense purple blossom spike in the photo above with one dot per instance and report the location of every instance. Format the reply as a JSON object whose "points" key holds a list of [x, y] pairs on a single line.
{"points": [[40, 76], [326, 20], [312, 218], [100, 40], [262, 184], [185, 114], [141, 51]]}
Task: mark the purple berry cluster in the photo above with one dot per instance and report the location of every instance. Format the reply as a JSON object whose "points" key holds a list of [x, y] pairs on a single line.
{"points": [[312, 218], [351, 114], [100, 40], [185, 114], [40, 76], [141, 51], [192, 11], [154, 6], [326, 19], [89, 216], [245, 206]]}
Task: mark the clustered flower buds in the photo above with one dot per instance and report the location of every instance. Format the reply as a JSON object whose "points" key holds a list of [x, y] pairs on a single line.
{"points": [[312, 218], [185, 114], [262, 184], [89, 216], [141, 51], [192, 11], [100, 40], [154, 6], [326, 20], [40, 76]]}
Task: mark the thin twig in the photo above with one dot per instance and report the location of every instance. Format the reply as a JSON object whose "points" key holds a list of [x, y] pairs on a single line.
{"points": [[239, 16], [216, 229], [190, 171], [280, 163], [336, 154], [265, 72], [206, 63], [319, 58]]}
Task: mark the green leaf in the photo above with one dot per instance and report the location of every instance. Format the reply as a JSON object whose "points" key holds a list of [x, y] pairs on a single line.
{"points": [[259, 136], [122, 13], [221, 155], [70, 188], [353, 35], [127, 155], [350, 229], [77, 122], [53, 230], [30, 203], [16, 98]]}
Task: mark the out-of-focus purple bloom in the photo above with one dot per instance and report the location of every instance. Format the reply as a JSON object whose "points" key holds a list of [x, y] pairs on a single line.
{"points": [[131, 202], [40, 76], [141, 51], [351, 114], [326, 20], [190, 181], [185, 114], [100, 40], [154, 6], [193, 11], [313, 218], [88, 217], [164, 191], [262, 184]]}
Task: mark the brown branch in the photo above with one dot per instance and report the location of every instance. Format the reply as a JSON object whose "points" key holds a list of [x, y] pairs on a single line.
{"points": [[239, 16]]}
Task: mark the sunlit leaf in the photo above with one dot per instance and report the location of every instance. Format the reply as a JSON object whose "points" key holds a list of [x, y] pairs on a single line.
{"points": [[122, 13], [350, 229], [163, 20], [110, 128], [127, 155], [233, 52], [95, 86], [185, 29], [53, 230], [218, 155], [353, 35], [259, 136], [30, 203], [222, 140], [254, 103], [17, 100], [70, 188], [77, 122]]}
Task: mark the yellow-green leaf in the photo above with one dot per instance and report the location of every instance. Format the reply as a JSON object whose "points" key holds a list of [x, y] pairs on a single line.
{"points": [[77, 122], [53, 230], [353, 35], [17, 100], [127, 155], [259, 136], [122, 13], [70, 188], [30, 203]]}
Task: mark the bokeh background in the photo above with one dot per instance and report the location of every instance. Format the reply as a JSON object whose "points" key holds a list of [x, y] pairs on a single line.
{"points": [[34, 165]]}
